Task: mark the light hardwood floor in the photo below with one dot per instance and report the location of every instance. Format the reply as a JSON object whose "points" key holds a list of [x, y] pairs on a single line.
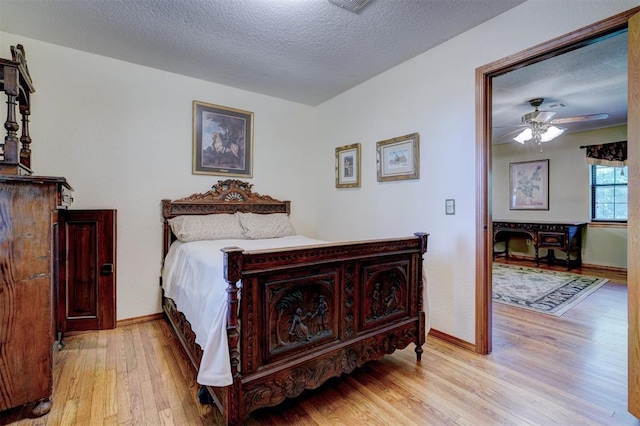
{"points": [[543, 370]]}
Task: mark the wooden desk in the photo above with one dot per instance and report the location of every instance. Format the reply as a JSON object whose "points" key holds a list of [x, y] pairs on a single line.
{"points": [[565, 236]]}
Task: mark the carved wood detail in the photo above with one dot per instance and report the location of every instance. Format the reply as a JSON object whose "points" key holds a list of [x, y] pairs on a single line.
{"points": [[231, 190], [349, 299], [300, 313], [326, 252], [291, 382], [16, 83], [183, 330]]}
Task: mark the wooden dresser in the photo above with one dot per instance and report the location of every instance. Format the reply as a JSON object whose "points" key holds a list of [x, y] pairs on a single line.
{"points": [[29, 208]]}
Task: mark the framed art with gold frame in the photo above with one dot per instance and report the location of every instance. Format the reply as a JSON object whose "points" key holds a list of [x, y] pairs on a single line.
{"points": [[348, 166], [222, 140], [398, 158]]}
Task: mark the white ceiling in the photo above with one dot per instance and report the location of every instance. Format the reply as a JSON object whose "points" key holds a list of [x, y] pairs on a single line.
{"points": [[309, 51], [306, 51]]}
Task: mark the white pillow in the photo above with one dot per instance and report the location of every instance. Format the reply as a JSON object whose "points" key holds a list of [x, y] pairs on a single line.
{"points": [[262, 226], [206, 227]]}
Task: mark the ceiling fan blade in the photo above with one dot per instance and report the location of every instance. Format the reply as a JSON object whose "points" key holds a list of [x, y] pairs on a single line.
{"points": [[577, 118], [538, 116]]}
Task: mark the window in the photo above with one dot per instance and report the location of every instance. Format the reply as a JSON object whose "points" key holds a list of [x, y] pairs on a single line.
{"points": [[609, 193]]}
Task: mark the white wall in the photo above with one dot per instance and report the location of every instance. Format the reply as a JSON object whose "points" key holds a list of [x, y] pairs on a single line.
{"points": [[122, 136], [569, 191], [433, 94]]}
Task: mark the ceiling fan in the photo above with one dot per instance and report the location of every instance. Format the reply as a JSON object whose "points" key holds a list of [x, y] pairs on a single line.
{"points": [[540, 127]]}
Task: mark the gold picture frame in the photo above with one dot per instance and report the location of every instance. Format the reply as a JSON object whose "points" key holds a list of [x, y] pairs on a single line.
{"points": [[222, 140], [398, 158], [348, 166]]}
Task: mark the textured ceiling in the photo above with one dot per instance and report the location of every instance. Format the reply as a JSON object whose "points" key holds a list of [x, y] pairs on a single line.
{"points": [[306, 51]]}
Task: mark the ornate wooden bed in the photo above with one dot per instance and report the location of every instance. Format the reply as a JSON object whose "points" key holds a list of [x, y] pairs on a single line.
{"points": [[370, 294]]}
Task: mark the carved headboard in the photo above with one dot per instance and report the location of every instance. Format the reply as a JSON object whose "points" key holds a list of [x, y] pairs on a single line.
{"points": [[226, 196]]}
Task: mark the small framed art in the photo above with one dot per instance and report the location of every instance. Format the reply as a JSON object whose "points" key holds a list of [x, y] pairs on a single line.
{"points": [[222, 140], [398, 158], [348, 166], [529, 185]]}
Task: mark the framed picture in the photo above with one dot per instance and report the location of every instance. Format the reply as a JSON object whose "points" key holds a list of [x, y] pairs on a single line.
{"points": [[529, 185], [222, 140], [348, 166], [398, 158]]}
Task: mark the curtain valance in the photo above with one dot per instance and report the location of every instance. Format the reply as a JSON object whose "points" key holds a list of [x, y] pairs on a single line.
{"points": [[612, 154]]}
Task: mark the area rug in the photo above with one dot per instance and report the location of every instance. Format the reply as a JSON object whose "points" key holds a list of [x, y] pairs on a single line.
{"points": [[547, 292]]}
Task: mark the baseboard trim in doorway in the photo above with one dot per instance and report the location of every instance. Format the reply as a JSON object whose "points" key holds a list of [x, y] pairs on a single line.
{"points": [[452, 340], [138, 320]]}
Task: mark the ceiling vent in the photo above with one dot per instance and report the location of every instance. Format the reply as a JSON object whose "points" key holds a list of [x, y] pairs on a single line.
{"points": [[352, 5], [555, 105]]}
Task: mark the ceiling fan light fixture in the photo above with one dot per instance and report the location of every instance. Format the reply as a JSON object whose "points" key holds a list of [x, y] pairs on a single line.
{"points": [[524, 136], [539, 126], [551, 133]]}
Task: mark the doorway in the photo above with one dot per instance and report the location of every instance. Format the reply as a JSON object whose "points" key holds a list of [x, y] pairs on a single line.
{"points": [[582, 95], [484, 243]]}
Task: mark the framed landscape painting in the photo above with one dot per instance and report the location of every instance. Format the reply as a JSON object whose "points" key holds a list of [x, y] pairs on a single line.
{"points": [[348, 166], [529, 185], [222, 140], [398, 158]]}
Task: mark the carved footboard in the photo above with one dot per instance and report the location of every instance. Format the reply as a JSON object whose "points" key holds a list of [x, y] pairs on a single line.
{"points": [[310, 314], [313, 313]]}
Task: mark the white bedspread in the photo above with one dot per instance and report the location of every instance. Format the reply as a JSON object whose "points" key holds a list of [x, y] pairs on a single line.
{"points": [[194, 279]]}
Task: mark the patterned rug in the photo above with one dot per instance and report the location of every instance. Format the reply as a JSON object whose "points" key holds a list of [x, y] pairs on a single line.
{"points": [[547, 292]]}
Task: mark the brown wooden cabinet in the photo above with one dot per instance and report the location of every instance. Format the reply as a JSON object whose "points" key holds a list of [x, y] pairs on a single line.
{"points": [[28, 220]]}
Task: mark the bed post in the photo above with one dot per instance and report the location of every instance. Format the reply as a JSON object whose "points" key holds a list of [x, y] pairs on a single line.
{"points": [[166, 228], [232, 274], [420, 339], [233, 262]]}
